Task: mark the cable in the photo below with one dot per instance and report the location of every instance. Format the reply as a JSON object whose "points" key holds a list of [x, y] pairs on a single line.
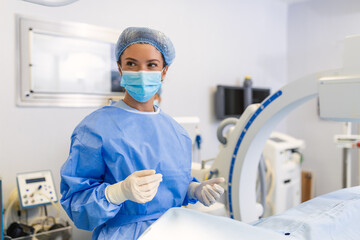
{"points": [[42, 225], [46, 213], [270, 177], [27, 216], [262, 180], [46, 217], [57, 207], [12, 201]]}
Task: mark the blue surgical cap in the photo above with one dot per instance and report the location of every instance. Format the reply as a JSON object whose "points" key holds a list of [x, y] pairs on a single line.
{"points": [[156, 38]]}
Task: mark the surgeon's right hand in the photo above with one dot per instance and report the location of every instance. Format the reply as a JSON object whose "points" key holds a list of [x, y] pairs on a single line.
{"points": [[140, 187]]}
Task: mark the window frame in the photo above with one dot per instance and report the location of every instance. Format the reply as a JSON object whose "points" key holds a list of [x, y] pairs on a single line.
{"points": [[26, 96]]}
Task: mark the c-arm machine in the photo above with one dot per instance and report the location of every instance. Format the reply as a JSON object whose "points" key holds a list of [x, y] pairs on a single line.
{"points": [[338, 92]]}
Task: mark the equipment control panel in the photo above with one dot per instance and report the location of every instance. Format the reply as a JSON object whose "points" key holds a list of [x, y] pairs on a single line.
{"points": [[36, 188]]}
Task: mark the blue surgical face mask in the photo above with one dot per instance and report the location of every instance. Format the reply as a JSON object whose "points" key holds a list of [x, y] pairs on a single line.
{"points": [[141, 85]]}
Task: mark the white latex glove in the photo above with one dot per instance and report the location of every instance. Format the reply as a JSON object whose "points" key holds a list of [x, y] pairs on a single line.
{"points": [[140, 187], [207, 192]]}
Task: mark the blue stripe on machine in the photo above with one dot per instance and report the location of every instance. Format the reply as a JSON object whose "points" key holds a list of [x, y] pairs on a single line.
{"points": [[237, 146]]}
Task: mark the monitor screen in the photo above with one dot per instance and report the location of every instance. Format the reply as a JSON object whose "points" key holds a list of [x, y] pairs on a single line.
{"points": [[234, 101], [260, 94], [230, 100]]}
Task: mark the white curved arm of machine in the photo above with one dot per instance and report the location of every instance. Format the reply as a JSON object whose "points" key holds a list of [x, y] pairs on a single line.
{"points": [[339, 100]]}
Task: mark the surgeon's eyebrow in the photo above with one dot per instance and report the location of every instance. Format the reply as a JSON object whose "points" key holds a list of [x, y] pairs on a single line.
{"points": [[131, 59], [153, 60]]}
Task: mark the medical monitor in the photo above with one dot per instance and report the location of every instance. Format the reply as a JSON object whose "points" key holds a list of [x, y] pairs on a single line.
{"points": [[229, 100]]}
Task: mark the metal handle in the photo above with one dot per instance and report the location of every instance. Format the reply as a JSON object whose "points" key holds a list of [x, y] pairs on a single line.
{"points": [[223, 124]]}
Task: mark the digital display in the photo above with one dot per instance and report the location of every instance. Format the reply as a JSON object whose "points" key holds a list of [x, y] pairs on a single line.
{"points": [[35, 180]]}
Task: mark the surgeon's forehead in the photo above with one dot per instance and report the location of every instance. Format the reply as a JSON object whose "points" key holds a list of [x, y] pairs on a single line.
{"points": [[142, 51]]}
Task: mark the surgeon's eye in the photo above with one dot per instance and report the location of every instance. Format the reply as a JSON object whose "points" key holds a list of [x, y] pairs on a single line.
{"points": [[152, 65], [130, 64]]}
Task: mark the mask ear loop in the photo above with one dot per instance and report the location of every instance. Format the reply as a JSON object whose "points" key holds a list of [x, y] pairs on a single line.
{"points": [[121, 70], [162, 73]]}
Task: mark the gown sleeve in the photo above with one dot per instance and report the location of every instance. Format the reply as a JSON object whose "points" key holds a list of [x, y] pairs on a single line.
{"points": [[82, 183], [188, 200]]}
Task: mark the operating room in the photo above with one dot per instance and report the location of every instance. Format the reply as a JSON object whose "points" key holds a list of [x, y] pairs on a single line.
{"points": [[273, 42]]}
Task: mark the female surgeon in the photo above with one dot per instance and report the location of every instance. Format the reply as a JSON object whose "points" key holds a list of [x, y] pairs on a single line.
{"points": [[130, 162]]}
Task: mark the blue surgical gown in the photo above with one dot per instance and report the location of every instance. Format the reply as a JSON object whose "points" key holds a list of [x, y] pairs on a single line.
{"points": [[109, 145]]}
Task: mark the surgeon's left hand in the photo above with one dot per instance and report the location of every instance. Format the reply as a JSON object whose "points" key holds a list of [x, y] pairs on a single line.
{"points": [[207, 192]]}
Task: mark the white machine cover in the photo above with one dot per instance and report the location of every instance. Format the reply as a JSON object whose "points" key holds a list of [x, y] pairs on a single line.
{"points": [[182, 223], [332, 216]]}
